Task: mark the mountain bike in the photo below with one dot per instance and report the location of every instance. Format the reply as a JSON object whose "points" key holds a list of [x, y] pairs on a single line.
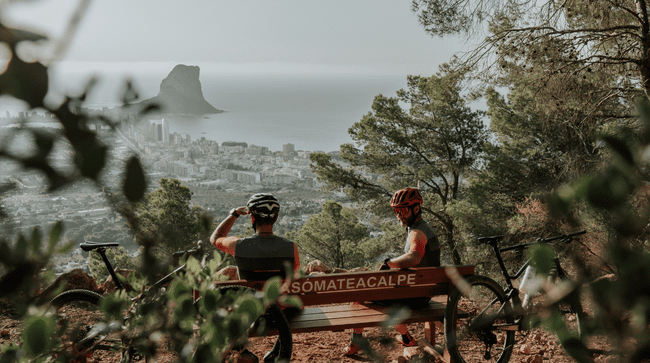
{"points": [[86, 335], [482, 317]]}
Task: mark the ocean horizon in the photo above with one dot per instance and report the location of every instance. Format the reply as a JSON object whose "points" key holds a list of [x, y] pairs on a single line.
{"points": [[311, 111]]}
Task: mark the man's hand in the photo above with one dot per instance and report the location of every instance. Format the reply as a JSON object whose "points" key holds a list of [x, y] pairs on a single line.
{"points": [[242, 211]]}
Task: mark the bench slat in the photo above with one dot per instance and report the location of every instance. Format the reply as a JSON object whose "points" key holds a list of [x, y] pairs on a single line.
{"points": [[343, 317]]}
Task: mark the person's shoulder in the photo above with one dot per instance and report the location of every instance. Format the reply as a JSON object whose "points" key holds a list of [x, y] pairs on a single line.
{"points": [[416, 232], [247, 238]]}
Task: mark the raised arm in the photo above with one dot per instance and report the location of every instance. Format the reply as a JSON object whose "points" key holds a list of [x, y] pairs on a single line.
{"points": [[296, 261], [219, 237]]}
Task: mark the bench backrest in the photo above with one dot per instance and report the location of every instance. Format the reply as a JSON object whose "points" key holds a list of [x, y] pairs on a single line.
{"points": [[365, 286]]}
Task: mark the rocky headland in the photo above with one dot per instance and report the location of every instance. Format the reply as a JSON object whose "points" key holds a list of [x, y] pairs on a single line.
{"points": [[181, 93]]}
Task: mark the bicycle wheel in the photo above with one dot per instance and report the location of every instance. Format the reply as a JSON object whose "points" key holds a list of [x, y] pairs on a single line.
{"points": [[274, 319], [471, 323], [78, 312]]}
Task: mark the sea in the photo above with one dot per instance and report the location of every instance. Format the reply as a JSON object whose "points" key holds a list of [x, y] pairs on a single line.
{"points": [[311, 111]]}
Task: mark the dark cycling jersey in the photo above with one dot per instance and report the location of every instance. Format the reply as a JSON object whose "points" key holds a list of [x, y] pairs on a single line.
{"points": [[431, 256], [262, 257]]}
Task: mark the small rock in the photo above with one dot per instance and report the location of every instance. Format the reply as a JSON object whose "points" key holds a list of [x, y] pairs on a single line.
{"points": [[525, 349], [535, 359], [400, 359], [246, 357], [548, 355], [412, 352]]}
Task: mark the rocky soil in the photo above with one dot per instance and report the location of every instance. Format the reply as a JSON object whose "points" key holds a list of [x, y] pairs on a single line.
{"points": [[534, 346], [325, 347]]}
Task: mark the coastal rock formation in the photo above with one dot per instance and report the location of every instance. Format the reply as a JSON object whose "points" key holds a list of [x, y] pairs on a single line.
{"points": [[180, 93]]}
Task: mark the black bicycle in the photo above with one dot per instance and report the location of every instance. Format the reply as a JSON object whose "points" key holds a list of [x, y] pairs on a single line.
{"points": [[99, 341], [482, 317]]}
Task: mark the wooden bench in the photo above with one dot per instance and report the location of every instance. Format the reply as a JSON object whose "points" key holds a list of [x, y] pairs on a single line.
{"points": [[327, 298]]}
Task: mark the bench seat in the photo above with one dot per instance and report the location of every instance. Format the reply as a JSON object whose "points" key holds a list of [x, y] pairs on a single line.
{"points": [[341, 317], [327, 298]]}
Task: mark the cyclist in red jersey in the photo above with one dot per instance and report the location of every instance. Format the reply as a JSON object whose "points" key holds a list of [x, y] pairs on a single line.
{"points": [[422, 249]]}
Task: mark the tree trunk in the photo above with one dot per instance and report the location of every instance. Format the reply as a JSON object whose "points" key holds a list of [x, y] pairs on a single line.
{"points": [[644, 62], [455, 256]]}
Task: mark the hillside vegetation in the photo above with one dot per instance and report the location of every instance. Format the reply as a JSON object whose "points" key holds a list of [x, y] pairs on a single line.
{"points": [[567, 88]]}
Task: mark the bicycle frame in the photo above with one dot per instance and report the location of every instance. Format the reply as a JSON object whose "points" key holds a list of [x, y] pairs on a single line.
{"points": [[519, 309], [155, 287], [160, 283]]}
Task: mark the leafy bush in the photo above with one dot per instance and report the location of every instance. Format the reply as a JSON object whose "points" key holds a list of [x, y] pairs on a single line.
{"points": [[169, 313], [621, 303]]}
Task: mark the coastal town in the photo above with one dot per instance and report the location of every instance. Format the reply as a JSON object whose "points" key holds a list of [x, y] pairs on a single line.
{"points": [[219, 175], [214, 172]]}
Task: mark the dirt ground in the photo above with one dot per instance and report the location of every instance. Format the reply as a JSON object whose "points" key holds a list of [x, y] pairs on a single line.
{"points": [[324, 347]]}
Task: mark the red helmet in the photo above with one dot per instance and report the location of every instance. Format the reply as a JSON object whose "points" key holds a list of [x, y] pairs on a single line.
{"points": [[405, 197]]}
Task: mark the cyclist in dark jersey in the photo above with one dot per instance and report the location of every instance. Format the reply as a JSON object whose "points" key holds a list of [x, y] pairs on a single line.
{"points": [[262, 255], [422, 249]]}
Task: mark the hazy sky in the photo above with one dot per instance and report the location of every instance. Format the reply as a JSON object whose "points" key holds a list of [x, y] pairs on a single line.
{"points": [[268, 36]]}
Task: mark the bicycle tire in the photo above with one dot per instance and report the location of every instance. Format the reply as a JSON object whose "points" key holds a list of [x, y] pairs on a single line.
{"points": [[76, 295], [278, 321], [466, 344], [78, 312]]}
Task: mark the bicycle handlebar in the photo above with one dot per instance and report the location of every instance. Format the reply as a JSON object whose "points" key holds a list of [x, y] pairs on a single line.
{"points": [[567, 237], [194, 251], [570, 235]]}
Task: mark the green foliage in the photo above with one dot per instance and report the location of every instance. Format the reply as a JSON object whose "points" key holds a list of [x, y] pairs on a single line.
{"points": [[565, 44], [167, 216], [38, 332], [336, 237], [164, 218], [174, 313], [23, 264], [135, 184], [28, 82], [571, 74], [621, 302], [223, 318], [433, 145], [9, 353]]}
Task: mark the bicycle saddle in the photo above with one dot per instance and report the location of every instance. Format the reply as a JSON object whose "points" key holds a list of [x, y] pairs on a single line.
{"points": [[89, 246]]}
